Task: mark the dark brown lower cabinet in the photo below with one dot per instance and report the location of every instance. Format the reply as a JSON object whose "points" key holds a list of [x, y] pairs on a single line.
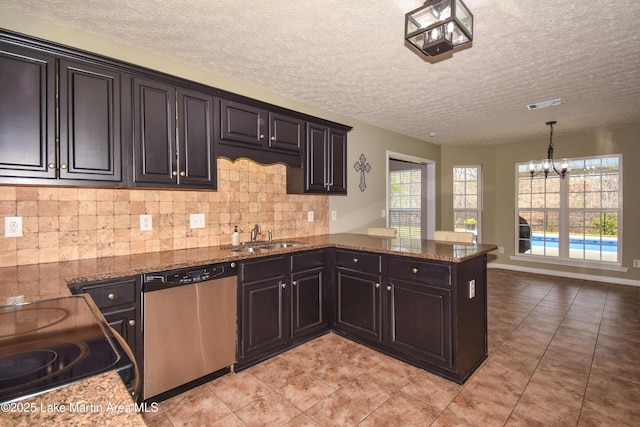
{"points": [[119, 302], [282, 302], [419, 321], [358, 309]]}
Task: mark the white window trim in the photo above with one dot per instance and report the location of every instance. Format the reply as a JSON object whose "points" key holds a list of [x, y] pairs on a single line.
{"points": [[597, 265]]}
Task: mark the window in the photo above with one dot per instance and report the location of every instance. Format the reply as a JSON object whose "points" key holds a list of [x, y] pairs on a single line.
{"points": [[578, 218], [467, 203], [405, 201]]}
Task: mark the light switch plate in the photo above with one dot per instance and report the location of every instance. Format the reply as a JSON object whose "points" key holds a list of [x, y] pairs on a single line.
{"points": [[310, 216], [13, 226], [196, 220]]}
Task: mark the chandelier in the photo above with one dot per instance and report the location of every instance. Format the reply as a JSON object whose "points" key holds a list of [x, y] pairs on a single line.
{"points": [[548, 164], [438, 26]]}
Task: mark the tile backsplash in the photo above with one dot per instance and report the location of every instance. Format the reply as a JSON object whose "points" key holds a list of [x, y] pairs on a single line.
{"points": [[71, 223]]}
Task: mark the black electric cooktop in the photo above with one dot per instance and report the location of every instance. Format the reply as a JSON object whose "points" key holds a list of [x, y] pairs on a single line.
{"points": [[48, 344]]}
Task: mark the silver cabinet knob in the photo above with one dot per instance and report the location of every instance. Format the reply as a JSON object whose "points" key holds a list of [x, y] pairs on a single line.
{"points": [[355, 260], [183, 173], [273, 138], [414, 270], [174, 173], [111, 296], [377, 285], [294, 283], [63, 166], [388, 288], [261, 136], [284, 285], [132, 322], [52, 165]]}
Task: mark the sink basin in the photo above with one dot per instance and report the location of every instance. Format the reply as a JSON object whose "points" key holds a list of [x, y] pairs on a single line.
{"points": [[281, 245], [260, 246], [243, 249]]}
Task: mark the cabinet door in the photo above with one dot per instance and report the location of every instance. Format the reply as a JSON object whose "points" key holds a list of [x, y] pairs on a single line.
{"points": [[124, 322], [263, 317], [337, 162], [27, 113], [420, 321], [241, 123], [286, 133], [90, 144], [358, 308], [307, 302], [154, 124], [316, 179], [197, 166]]}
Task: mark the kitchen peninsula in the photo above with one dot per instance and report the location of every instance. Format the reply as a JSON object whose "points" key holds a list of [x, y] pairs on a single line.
{"points": [[421, 301]]}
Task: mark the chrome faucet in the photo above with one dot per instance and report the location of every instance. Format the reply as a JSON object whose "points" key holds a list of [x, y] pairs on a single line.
{"points": [[254, 232]]}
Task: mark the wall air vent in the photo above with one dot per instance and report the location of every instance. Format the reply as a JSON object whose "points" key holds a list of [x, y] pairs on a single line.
{"points": [[544, 104]]}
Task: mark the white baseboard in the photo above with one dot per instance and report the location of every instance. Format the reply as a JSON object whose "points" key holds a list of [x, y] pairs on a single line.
{"points": [[591, 277]]}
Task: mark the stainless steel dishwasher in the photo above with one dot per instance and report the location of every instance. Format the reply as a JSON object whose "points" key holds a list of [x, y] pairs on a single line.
{"points": [[189, 326]]}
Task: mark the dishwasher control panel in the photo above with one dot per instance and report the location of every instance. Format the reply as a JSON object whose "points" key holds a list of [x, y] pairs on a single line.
{"points": [[185, 276]]}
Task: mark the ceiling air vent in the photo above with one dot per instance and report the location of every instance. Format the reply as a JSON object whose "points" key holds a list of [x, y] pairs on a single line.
{"points": [[544, 104]]}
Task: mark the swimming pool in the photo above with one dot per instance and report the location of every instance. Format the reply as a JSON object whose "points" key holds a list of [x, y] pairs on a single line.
{"points": [[606, 244]]}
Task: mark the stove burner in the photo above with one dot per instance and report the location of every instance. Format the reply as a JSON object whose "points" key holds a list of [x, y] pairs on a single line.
{"points": [[40, 362], [26, 366], [25, 320]]}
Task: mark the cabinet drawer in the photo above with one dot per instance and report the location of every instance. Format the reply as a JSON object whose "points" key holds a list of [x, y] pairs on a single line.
{"points": [[430, 273], [113, 293], [262, 268], [359, 261], [307, 260]]}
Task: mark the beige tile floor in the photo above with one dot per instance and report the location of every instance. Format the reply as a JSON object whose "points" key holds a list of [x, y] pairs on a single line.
{"points": [[562, 352]]}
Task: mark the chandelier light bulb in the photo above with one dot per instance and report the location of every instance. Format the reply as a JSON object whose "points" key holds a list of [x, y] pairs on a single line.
{"points": [[435, 34], [546, 164]]}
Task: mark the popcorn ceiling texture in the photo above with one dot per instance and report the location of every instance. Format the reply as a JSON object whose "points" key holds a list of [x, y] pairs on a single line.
{"points": [[61, 223], [349, 58]]}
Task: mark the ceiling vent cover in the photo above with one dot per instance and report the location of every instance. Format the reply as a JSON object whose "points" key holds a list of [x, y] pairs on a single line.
{"points": [[544, 104]]}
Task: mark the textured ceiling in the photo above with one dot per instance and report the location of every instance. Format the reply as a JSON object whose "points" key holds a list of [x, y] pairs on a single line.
{"points": [[349, 57]]}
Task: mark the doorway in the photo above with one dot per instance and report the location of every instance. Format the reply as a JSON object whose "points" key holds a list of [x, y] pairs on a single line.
{"points": [[411, 185]]}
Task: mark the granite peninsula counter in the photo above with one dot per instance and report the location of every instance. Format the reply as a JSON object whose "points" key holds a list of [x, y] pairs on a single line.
{"points": [[51, 280]]}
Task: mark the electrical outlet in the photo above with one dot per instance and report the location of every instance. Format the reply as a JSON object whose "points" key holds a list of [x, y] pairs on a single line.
{"points": [[18, 299], [334, 215], [13, 226], [384, 213], [472, 288], [146, 223], [636, 263], [196, 220], [501, 249], [310, 216]]}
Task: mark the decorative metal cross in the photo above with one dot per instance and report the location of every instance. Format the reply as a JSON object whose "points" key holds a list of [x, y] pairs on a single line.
{"points": [[362, 166]]}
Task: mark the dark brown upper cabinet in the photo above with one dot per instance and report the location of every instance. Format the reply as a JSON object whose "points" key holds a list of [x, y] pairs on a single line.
{"points": [[259, 134], [173, 136], [58, 126], [325, 163]]}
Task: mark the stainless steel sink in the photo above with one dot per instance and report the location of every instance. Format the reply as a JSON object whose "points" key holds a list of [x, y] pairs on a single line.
{"points": [[281, 245], [263, 246]]}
